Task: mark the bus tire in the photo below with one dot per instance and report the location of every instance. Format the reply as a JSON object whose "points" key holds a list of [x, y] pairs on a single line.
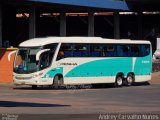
{"points": [[34, 86], [130, 79], [119, 81], [58, 81]]}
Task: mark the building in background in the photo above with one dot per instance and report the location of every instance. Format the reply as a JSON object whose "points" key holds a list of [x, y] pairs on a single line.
{"points": [[24, 19]]}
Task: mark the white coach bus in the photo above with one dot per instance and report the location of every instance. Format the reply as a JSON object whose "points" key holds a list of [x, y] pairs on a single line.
{"points": [[82, 60]]}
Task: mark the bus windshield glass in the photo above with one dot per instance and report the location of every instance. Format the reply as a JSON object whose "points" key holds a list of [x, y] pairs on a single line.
{"points": [[25, 60]]}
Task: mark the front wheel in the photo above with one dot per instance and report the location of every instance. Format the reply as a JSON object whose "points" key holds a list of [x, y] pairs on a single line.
{"points": [[119, 81], [58, 81]]}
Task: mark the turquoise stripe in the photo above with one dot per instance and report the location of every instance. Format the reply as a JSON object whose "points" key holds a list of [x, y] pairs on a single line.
{"points": [[54, 72], [143, 66], [110, 67], [107, 67]]}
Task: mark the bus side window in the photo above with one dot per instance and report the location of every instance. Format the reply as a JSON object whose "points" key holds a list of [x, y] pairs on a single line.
{"points": [[95, 50], [145, 49], [80, 50], [123, 50], [52, 48], [44, 60], [135, 51], [109, 50], [66, 50]]}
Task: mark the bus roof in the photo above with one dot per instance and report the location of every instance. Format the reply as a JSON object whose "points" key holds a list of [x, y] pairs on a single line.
{"points": [[48, 40]]}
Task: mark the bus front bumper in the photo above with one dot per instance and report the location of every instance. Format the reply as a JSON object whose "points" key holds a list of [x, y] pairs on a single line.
{"points": [[37, 81]]}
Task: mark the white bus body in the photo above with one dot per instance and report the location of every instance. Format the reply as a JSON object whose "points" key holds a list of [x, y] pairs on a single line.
{"points": [[82, 60]]}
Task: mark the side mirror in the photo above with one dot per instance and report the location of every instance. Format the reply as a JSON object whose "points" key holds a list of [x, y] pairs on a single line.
{"points": [[40, 52]]}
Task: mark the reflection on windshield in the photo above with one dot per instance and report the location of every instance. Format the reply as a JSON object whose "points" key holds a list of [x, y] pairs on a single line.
{"points": [[25, 61]]}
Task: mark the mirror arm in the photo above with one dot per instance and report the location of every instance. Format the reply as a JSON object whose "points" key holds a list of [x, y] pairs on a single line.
{"points": [[40, 52]]}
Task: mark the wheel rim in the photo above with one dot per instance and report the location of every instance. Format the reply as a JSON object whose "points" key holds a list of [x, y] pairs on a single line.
{"points": [[119, 81], [60, 81], [55, 82], [129, 80]]}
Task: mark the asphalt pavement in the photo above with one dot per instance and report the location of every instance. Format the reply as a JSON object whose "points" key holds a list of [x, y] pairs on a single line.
{"points": [[81, 100]]}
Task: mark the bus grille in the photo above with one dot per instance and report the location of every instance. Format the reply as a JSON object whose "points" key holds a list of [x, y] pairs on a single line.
{"points": [[23, 78]]}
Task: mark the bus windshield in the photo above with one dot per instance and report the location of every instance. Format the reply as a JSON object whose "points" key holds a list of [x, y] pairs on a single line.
{"points": [[25, 60]]}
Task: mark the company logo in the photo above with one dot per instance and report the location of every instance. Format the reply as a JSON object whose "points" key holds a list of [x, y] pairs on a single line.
{"points": [[145, 62], [68, 64]]}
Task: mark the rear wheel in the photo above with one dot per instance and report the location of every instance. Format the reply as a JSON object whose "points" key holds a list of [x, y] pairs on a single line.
{"points": [[130, 79], [119, 81]]}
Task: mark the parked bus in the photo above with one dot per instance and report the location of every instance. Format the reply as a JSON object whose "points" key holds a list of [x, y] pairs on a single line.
{"points": [[82, 60]]}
